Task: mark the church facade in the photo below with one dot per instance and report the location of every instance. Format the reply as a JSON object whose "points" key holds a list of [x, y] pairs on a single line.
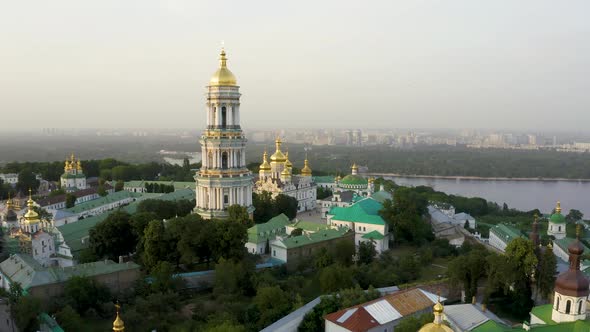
{"points": [[73, 178], [277, 178], [223, 179]]}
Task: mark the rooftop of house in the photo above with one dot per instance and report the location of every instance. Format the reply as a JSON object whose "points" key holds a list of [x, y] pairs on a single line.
{"points": [[311, 238], [363, 211], [381, 196], [309, 226], [505, 232], [383, 310], [261, 232], [323, 179], [29, 273], [95, 203]]}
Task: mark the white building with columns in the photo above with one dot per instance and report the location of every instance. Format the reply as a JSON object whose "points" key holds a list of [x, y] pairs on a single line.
{"points": [[223, 179]]}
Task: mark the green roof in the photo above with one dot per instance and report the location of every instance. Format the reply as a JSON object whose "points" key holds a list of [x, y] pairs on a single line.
{"points": [[557, 218], [492, 326], [320, 236], [29, 273], [505, 232], [364, 211], [566, 241], [543, 312], [92, 204], [353, 180], [310, 226], [44, 318], [323, 179], [178, 185], [261, 232], [374, 235]]}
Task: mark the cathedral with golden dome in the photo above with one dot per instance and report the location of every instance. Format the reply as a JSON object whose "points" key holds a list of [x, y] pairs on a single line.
{"points": [[277, 178], [73, 178], [223, 179]]}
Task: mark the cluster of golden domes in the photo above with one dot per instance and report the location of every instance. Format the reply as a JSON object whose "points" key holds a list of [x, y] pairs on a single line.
{"points": [[278, 157], [73, 164]]}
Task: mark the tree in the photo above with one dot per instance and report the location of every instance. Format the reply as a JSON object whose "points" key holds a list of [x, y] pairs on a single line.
{"points": [[342, 252], [239, 214], [113, 237], [69, 319], [335, 277], [297, 232], [140, 220], [285, 204], [323, 193], [468, 270], [233, 277], [272, 303], [263, 207], [83, 293], [70, 200], [15, 292], [101, 190], [367, 252], [545, 276], [27, 180], [574, 215], [413, 323], [155, 244], [25, 313], [404, 215], [119, 185], [164, 279]]}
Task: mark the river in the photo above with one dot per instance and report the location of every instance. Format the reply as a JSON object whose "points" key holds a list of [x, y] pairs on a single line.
{"points": [[521, 195]]}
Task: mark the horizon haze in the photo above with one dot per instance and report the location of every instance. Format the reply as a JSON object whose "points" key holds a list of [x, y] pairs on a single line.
{"points": [[402, 64]]}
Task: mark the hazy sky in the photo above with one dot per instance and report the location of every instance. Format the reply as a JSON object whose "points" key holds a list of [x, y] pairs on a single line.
{"points": [[412, 63]]}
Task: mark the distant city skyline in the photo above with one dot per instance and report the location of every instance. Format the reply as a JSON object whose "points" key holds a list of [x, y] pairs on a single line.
{"points": [[385, 64]]}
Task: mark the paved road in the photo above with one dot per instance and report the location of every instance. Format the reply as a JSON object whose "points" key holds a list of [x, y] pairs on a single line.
{"points": [[6, 322]]}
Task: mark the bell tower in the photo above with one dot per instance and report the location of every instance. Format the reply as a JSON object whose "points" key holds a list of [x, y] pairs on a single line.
{"points": [[223, 179]]}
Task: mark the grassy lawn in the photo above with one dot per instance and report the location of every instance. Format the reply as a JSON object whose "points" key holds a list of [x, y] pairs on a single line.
{"points": [[436, 268]]}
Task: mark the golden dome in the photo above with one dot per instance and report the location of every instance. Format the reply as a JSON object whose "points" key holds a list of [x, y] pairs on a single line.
{"points": [[306, 170], [558, 207], [278, 156], [79, 166], [9, 203], [432, 327], [31, 216], [354, 167], [222, 76], [265, 166], [285, 172], [118, 324], [288, 163], [437, 325]]}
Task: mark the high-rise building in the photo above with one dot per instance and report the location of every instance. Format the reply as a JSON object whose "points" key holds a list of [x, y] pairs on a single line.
{"points": [[223, 179]]}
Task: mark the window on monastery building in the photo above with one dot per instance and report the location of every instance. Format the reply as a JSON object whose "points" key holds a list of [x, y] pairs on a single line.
{"points": [[274, 253], [579, 307], [223, 116], [568, 306], [224, 160], [225, 199]]}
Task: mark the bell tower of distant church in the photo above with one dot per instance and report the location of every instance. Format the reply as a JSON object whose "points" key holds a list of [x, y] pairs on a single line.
{"points": [[223, 179]]}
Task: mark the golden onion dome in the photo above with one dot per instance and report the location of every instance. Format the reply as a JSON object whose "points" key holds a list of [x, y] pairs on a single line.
{"points": [[265, 166], [306, 170], [118, 324], [288, 162], [9, 203], [79, 165], [222, 76], [437, 325], [31, 216], [278, 156], [285, 172]]}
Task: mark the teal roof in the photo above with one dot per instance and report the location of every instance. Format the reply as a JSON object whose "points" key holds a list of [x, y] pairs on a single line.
{"points": [[73, 176], [29, 273], [505, 232], [307, 239], [492, 326], [374, 235], [92, 204], [557, 218], [310, 226], [261, 232], [53, 326], [363, 211], [566, 241], [323, 179], [543, 312], [353, 180], [73, 233]]}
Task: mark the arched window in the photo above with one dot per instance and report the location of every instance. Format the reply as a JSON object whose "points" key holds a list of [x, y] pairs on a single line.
{"points": [[239, 159], [568, 306], [559, 229], [223, 116], [224, 160], [214, 119], [210, 160], [557, 303], [580, 307]]}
